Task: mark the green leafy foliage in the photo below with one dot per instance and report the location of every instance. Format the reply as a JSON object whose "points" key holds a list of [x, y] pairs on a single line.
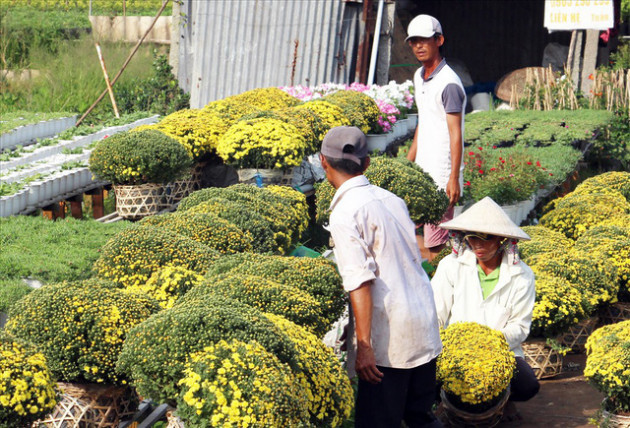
{"points": [[27, 389], [205, 228], [158, 93], [139, 157], [135, 254], [171, 336], [256, 211], [80, 327], [52, 251], [11, 291], [22, 29], [289, 301], [317, 276], [425, 202]]}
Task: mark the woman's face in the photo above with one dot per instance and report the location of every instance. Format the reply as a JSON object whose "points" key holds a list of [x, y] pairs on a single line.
{"points": [[484, 249]]}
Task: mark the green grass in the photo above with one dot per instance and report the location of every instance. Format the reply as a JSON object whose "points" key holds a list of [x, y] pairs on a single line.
{"points": [[11, 291], [72, 79], [51, 251]]}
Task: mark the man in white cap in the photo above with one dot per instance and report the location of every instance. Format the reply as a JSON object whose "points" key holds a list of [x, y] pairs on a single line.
{"points": [[395, 330], [438, 142], [484, 281]]}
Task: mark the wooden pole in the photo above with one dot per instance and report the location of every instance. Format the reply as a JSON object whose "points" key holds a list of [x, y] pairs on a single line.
{"points": [[109, 85], [133, 52]]}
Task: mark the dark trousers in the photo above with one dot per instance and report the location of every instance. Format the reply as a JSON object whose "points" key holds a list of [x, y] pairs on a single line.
{"points": [[524, 384], [402, 394]]}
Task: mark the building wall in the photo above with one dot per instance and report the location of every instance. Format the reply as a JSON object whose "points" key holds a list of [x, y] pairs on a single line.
{"points": [[226, 47]]}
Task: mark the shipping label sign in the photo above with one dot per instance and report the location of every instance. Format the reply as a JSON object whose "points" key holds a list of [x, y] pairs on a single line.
{"points": [[579, 14]]}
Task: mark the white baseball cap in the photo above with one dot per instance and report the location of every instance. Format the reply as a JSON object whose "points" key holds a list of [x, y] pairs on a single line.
{"points": [[423, 26]]}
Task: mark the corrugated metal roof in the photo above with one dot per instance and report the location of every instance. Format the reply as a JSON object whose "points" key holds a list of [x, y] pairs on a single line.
{"points": [[228, 47]]}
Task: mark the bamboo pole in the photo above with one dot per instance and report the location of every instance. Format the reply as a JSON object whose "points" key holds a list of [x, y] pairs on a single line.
{"points": [[133, 52], [109, 85]]}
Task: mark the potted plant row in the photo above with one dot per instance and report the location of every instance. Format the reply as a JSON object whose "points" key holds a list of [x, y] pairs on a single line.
{"points": [[42, 153], [29, 134], [48, 189]]}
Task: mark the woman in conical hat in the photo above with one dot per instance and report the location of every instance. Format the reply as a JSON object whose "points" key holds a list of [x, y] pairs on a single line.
{"points": [[484, 281]]}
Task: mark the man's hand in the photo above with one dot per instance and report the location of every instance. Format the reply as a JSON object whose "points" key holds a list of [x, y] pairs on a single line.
{"points": [[366, 364], [453, 191]]}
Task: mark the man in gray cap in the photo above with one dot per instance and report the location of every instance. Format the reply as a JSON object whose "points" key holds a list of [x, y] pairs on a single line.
{"points": [[438, 142], [397, 338]]}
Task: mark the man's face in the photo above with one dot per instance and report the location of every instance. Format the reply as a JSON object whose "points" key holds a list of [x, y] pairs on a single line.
{"points": [[484, 246], [426, 48]]}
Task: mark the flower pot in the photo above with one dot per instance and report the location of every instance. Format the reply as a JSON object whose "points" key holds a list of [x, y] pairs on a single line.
{"points": [[614, 313], [377, 142], [545, 361], [134, 202], [413, 120], [575, 337], [613, 420], [411, 124], [404, 127], [489, 417], [264, 177], [512, 212], [457, 210], [179, 189], [92, 405]]}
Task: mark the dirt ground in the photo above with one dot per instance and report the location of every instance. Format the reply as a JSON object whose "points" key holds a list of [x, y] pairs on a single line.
{"points": [[566, 401]]}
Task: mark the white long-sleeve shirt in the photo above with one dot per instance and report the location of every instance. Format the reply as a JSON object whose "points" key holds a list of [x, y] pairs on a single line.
{"points": [[375, 241], [508, 308]]}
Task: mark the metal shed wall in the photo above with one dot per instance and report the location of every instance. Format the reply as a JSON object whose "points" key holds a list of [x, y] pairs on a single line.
{"points": [[227, 47]]}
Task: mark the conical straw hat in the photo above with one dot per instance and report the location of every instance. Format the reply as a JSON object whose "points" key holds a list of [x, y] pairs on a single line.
{"points": [[486, 217]]}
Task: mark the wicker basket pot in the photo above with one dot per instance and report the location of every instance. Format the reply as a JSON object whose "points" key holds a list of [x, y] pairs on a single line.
{"points": [[91, 405], [543, 359], [179, 189], [613, 420], [488, 418], [614, 313], [575, 338], [262, 177], [134, 202]]}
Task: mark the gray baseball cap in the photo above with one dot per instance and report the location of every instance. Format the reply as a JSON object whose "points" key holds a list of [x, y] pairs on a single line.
{"points": [[345, 142]]}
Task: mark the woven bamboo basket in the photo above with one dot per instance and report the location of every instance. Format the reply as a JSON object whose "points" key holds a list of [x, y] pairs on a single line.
{"points": [[614, 313], [106, 405], [173, 421], [613, 420], [179, 189], [543, 359], [459, 418], [265, 177], [197, 171], [575, 338], [69, 412], [134, 202]]}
